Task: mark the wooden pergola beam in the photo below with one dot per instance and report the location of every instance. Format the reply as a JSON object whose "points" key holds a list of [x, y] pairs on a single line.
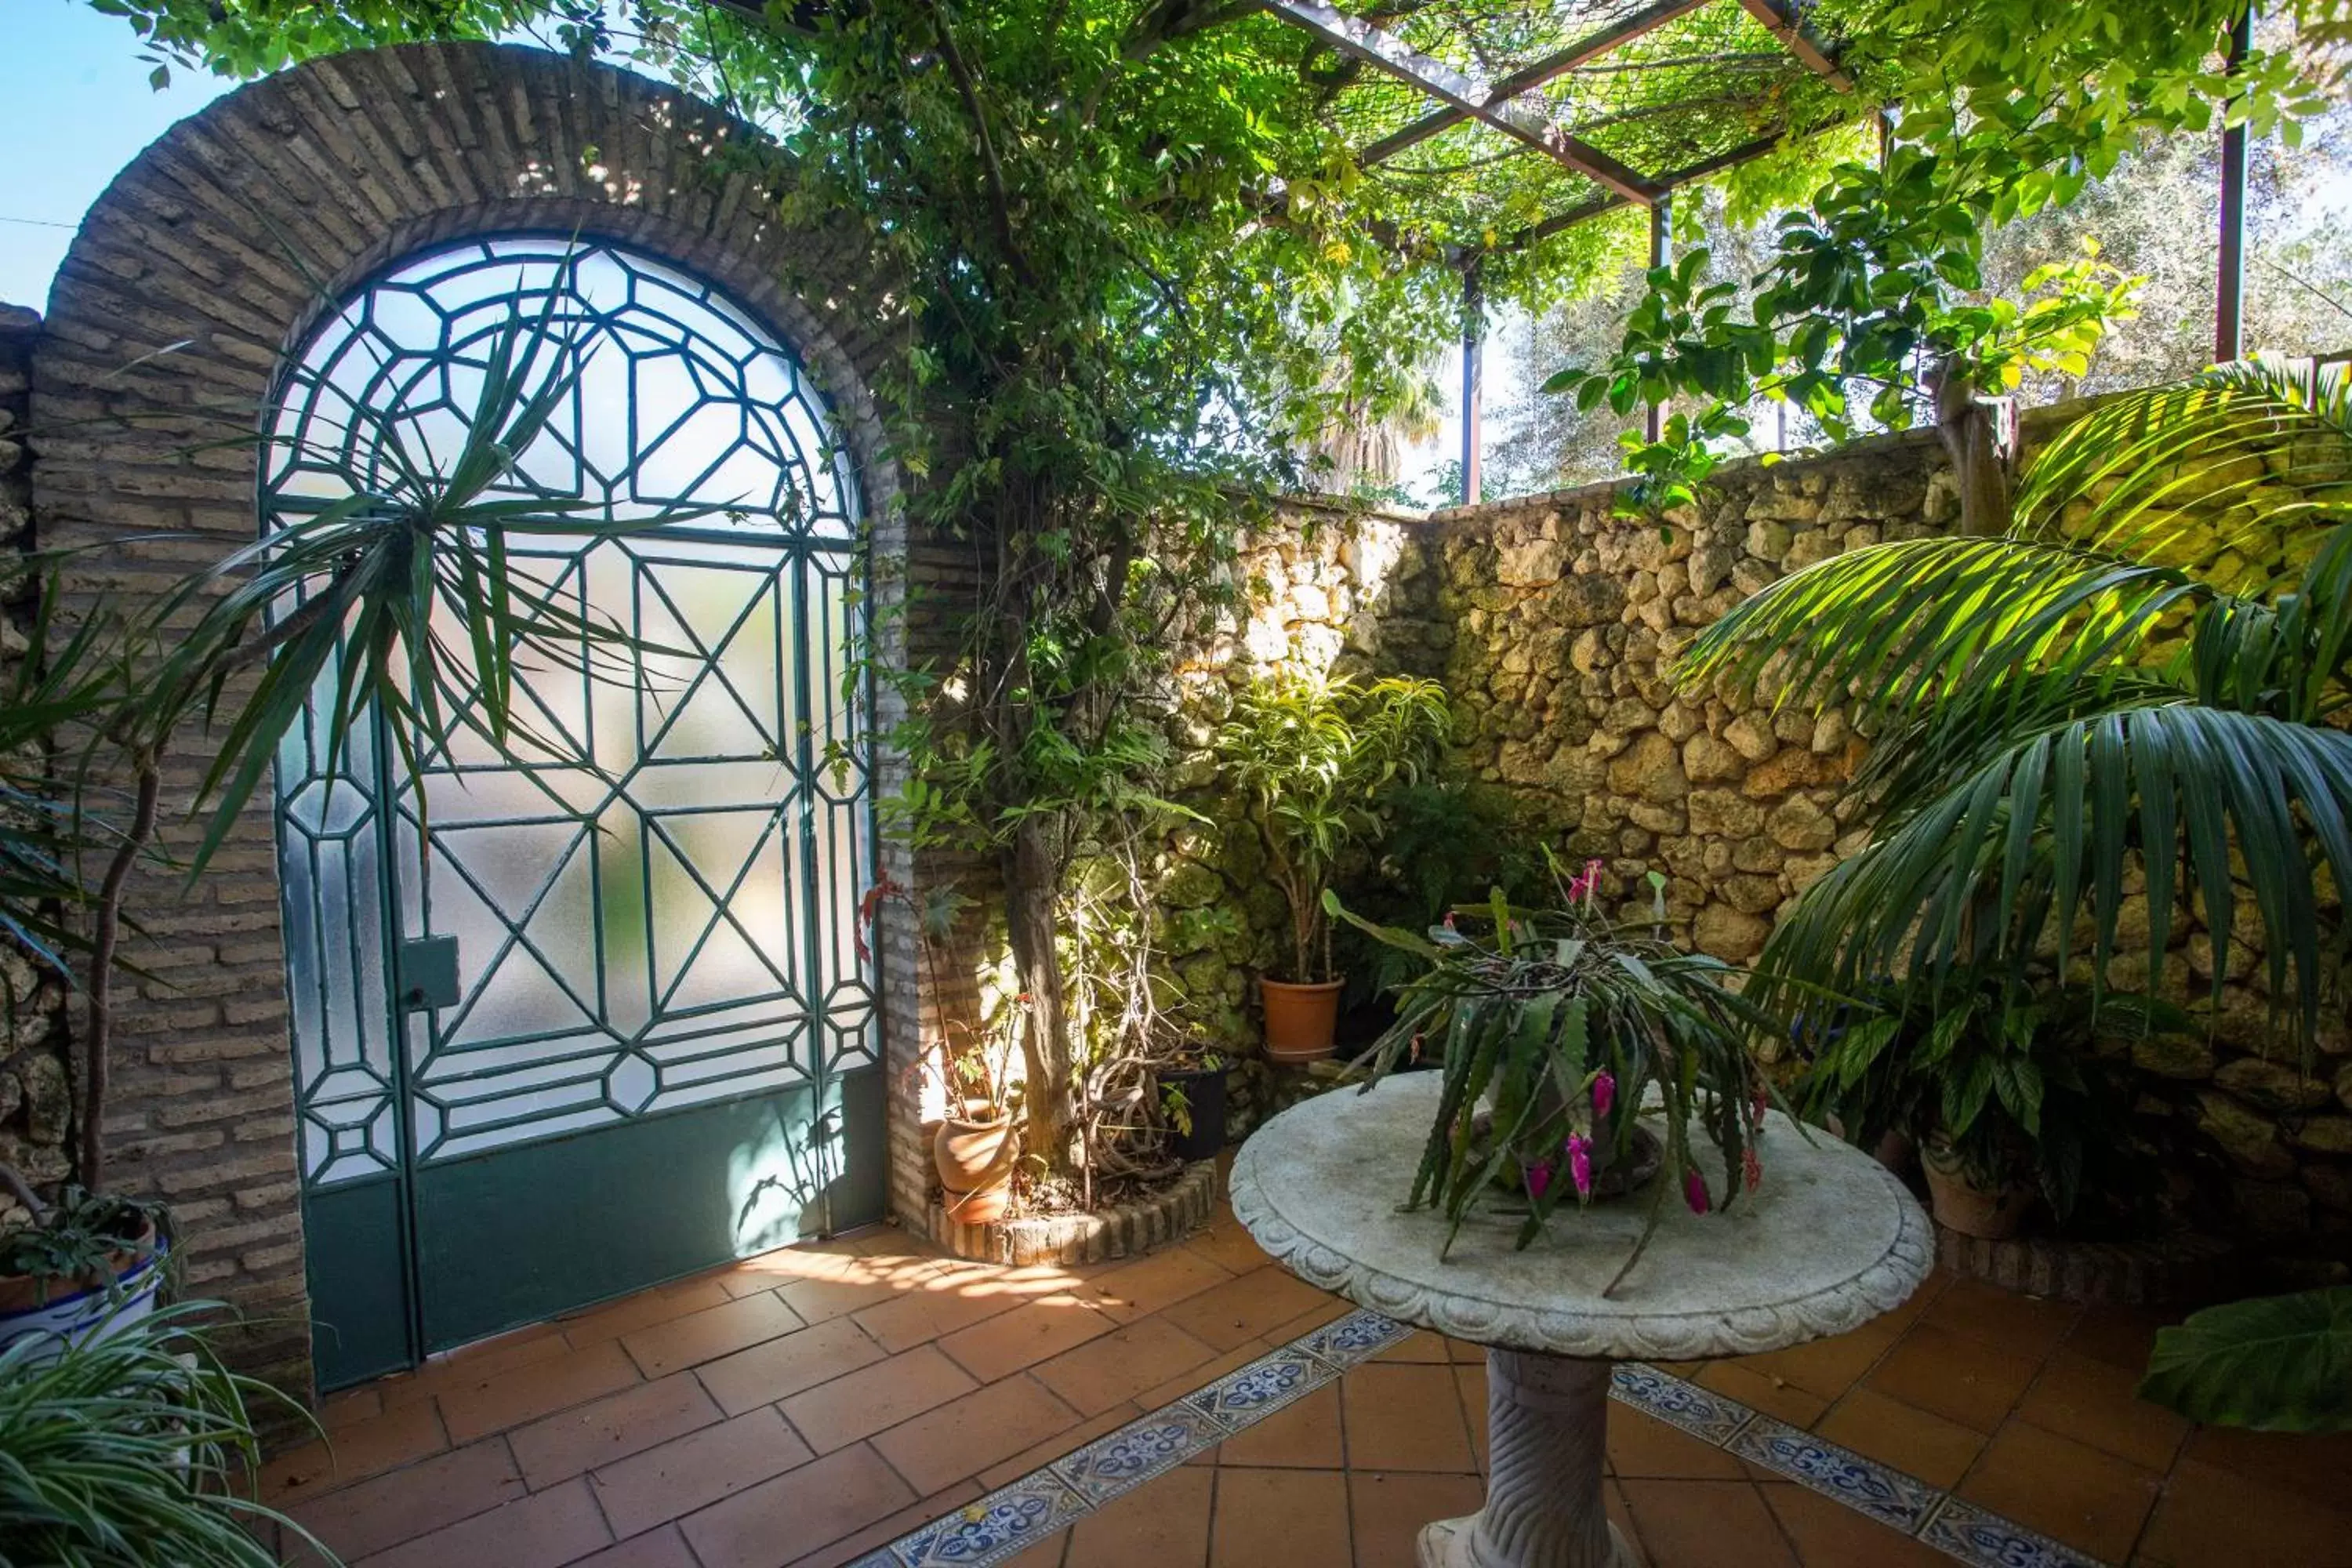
{"points": [[1668, 184], [1475, 97], [1583, 52], [1782, 20]]}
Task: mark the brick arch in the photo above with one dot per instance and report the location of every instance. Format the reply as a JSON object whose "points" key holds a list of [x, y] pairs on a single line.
{"points": [[203, 264]]}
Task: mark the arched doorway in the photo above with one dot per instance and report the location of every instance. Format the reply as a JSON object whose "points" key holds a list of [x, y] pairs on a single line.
{"points": [[591, 1014]]}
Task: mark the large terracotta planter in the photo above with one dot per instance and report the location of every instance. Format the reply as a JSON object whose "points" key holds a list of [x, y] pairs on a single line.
{"points": [[974, 1151], [1301, 1021], [984, 1206], [1994, 1214]]}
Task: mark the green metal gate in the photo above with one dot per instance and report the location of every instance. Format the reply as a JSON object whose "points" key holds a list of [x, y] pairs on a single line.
{"points": [[596, 1026]]}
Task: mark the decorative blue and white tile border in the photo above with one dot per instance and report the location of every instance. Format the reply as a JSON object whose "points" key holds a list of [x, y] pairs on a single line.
{"points": [[1017, 1516]]}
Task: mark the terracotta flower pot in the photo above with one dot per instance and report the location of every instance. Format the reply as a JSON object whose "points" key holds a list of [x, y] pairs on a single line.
{"points": [[1301, 1021], [984, 1206], [973, 1151], [1994, 1214]]}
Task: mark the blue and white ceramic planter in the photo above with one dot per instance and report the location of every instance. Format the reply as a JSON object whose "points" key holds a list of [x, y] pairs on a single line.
{"points": [[96, 1312]]}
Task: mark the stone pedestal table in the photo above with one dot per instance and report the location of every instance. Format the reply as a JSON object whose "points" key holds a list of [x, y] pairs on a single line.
{"points": [[1829, 1241]]}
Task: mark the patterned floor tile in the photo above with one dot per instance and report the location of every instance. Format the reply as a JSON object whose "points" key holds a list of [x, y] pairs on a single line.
{"points": [[1888, 1496], [1138, 1451], [989, 1530], [1705, 1414], [1261, 1388], [1358, 1337], [1988, 1540]]}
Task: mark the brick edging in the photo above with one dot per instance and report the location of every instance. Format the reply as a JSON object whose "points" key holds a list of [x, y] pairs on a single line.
{"points": [[1095, 1236], [2188, 1266]]}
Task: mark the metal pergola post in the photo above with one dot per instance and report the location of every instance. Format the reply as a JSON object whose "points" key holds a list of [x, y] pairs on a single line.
{"points": [[1662, 223], [2230, 287], [1473, 381]]}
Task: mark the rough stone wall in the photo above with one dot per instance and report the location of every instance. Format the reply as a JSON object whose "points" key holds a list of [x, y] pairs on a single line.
{"points": [[36, 1086], [1552, 624], [203, 264]]}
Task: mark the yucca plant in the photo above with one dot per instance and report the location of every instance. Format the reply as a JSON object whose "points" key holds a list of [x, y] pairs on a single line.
{"points": [[2141, 683], [1309, 754], [134, 1446]]}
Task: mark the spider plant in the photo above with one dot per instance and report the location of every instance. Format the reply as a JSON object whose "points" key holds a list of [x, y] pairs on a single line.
{"points": [[130, 1447], [2104, 697]]}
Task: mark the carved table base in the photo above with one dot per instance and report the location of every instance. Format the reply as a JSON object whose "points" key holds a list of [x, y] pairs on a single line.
{"points": [[1548, 1425]]}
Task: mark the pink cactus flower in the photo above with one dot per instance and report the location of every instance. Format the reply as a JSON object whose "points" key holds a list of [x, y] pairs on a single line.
{"points": [[1449, 920], [1695, 1190], [1604, 1092], [1579, 1164], [1752, 1168], [1538, 1179]]}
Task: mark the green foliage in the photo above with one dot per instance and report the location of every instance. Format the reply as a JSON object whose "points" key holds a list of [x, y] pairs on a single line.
{"points": [[1310, 756], [2014, 1086], [132, 1447], [82, 1236], [2276, 1363], [1532, 1017], [1438, 842], [2078, 703]]}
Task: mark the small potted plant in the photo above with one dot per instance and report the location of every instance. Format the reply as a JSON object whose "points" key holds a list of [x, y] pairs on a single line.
{"points": [[2010, 1104], [1191, 1083], [1581, 1057], [975, 1150], [87, 1262], [1307, 756]]}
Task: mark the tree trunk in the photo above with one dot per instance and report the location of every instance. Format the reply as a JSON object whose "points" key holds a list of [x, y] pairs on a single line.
{"points": [[1981, 438], [106, 933], [1029, 883]]}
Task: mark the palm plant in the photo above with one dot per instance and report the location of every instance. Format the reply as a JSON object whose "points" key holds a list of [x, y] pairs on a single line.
{"points": [[2103, 699], [1309, 754], [131, 1446]]}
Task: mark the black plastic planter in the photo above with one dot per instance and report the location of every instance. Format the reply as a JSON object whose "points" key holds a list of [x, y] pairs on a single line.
{"points": [[1204, 1089]]}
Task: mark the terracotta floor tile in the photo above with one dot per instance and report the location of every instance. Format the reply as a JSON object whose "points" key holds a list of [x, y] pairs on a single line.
{"points": [[1244, 1308], [352, 1405], [2318, 1466], [1037, 1456], [1330, 1311], [1705, 1524], [1420, 1345], [663, 1548], [1049, 1554], [1129, 1292], [707, 1335], [511, 1398], [1201, 1377], [1306, 1433], [643, 1310], [475, 1362], [375, 1515], [966, 1436], [612, 1428], [1826, 1368], [355, 1451], [1953, 1375], [2091, 1402], [1612, 1498], [1405, 1419], [1827, 1534], [1389, 1509], [787, 1364], [1028, 1334], [1163, 1523], [799, 1512], [940, 1304], [541, 1530], [1642, 1446], [1229, 1246], [859, 1404], [1296, 1518], [686, 1473], [1470, 1384], [1916, 1442], [1774, 1396], [2082, 1496], [817, 1300], [887, 1529], [2210, 1515], [2117, 1334], [2020, 1324], [1122, 1364]]}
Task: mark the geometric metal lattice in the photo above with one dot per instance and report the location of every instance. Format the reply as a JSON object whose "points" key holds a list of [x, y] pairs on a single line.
{"points": [[674, 925]]}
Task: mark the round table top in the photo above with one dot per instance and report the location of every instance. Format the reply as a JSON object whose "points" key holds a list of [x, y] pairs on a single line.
{"points": [[1828, 1241]]}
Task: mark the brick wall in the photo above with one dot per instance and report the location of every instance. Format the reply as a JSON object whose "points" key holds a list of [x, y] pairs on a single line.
{"points": [[206, 260]]}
